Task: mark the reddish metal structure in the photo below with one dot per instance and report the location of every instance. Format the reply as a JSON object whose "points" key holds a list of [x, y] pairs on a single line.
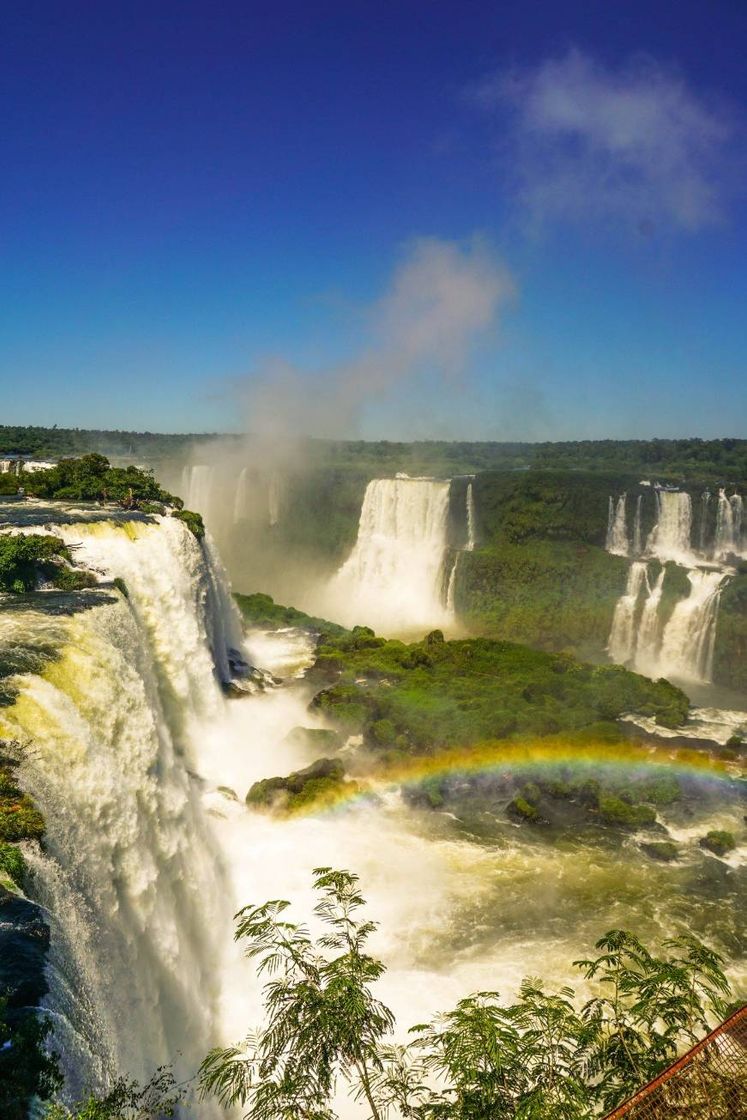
{"points": [[709, 1082]]}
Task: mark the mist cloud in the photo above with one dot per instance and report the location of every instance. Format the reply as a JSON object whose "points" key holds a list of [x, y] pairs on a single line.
{"points": [[589, 142], [442, 299]]}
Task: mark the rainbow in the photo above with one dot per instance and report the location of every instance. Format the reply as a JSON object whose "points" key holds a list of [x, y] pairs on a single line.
{"points": [[554, 753]]}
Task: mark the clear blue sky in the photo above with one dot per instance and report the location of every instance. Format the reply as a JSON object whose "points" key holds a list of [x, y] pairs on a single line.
{"points": [[189, 189]]}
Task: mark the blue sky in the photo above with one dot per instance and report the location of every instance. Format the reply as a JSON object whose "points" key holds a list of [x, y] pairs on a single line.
{"points": [[194, 196]]}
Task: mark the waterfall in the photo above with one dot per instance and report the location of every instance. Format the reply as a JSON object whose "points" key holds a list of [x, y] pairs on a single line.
{"points": [[471, 540], [689, 636], [273, 499], [622, 640], [705, 503], [729, 516], [670, 537], [451, 587], [197, 487], [737, 506], [617, 533], [394, 577], [130, 876], [241, 497], [637, 538], [649, 627]]}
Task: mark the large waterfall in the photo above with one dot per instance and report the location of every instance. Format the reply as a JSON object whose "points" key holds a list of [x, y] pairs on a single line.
{"points": [[394, 577], [131, 879], [617, 533], [681, 643]]}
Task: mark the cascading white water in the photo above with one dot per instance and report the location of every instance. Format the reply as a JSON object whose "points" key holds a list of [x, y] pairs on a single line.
{"points": [[131, 878], [639, 637], [648, 637], [637, 537], [705, 502], [617, 532], [622, 640], [471, 520], [451, 587], [469, 546], [273, 499], [688, 640], [241, 497], [729, 516], [197, 487], [670, 537], [394, 577]]}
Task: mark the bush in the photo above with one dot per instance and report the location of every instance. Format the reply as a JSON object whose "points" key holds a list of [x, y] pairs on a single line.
{"points": [[193, 521], [12, 863]]}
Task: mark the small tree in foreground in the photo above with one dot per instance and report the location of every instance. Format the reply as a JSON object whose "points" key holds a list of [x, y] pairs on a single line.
{"points": [[126, 1100], [548, 1056]]}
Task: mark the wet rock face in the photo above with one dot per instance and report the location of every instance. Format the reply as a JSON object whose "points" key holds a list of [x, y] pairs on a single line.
{"points": [[24, 941]]}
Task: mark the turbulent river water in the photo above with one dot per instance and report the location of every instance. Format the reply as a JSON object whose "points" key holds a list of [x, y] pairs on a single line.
{"points": [[140, 763]]}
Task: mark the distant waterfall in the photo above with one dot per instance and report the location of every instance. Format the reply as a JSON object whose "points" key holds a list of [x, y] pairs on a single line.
{"points": [[241, 497], [729, 516], [131, 879], [273, 499], [197, 487], [622, 641], [689, 637], [670, 537], [451, 587], [471, 539], [637, 538], [649, 627], [617, 533], [394, 577], [705, 502]]}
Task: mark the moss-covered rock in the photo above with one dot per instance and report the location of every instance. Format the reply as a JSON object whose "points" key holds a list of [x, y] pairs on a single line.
{"points": [[315, 738], [613, 810], [316, 785], [521, 809], [663, 851], [718, 841]]}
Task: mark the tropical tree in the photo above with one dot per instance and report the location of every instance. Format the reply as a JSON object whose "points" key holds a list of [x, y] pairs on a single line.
{"points": [[546, 1056]]}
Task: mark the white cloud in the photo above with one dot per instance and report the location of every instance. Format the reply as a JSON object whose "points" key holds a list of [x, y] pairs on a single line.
{"points": [[588, 142]]}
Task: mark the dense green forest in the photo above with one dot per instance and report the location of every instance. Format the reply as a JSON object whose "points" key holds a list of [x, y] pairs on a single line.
{"points": [[715, 460]]}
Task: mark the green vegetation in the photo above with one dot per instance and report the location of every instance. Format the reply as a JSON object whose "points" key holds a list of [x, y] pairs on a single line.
{"points": [[548, 1056], [719, 842], [550, 595], [318, 785], [666, 458], [12, 865], [730, 653], [262, 611], [127, 1100], [193, 521], [615, 811], [19, 818], [92, 479], [26, 1069], [665, 851], [433, 694], [25, 558]]}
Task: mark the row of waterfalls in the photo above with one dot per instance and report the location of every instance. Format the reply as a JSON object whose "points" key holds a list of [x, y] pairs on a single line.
{"points": [[653, 631], [720, 530]]}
